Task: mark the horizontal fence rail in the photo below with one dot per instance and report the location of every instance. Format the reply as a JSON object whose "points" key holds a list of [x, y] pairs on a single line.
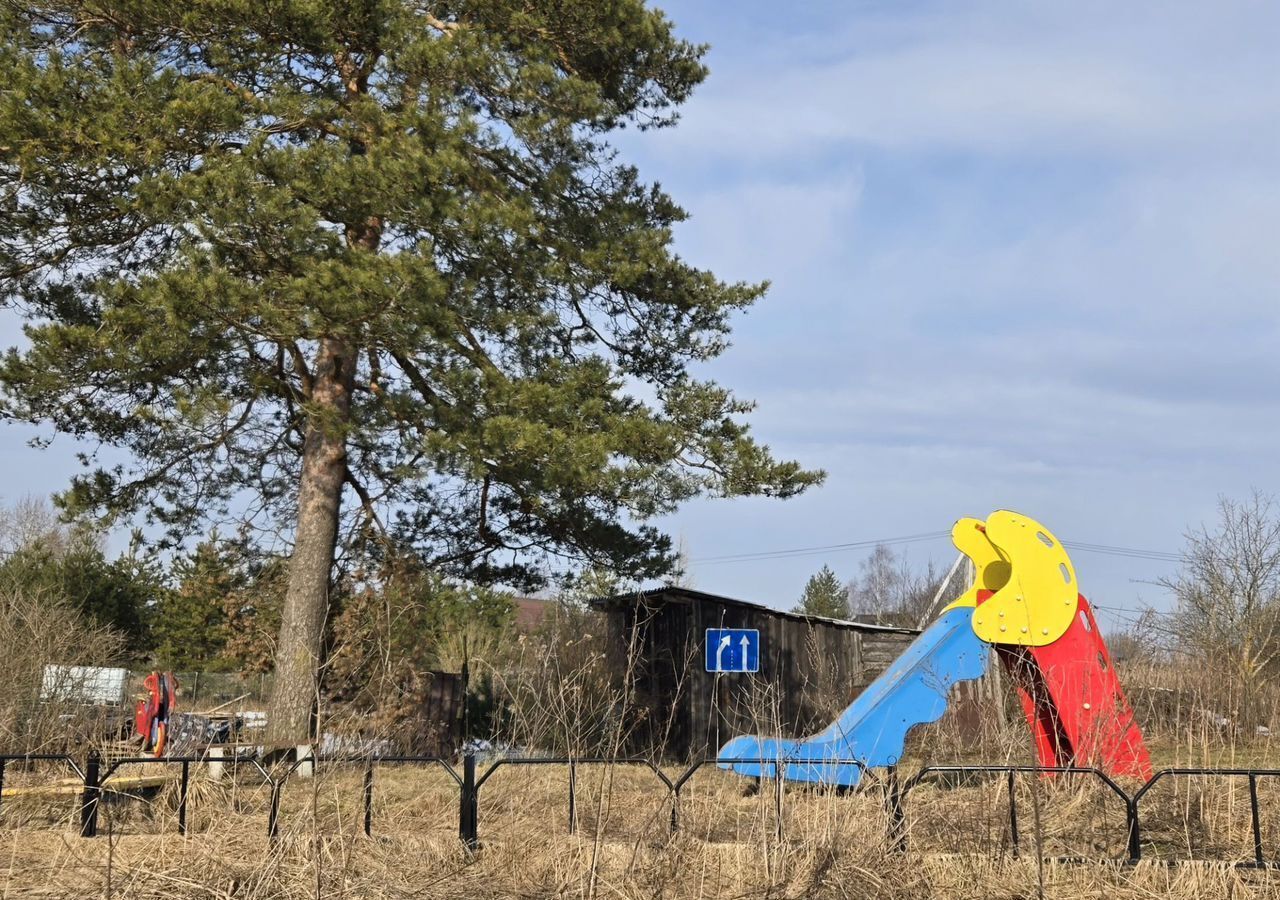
{"points": [[99, 777], [897, 826], [86, 796], [1259, 861]]}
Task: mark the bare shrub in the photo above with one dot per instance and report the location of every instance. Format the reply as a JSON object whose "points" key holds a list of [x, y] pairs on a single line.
{"points": [[398, 635], [558, 690], [1228, 601], [40, 630]]}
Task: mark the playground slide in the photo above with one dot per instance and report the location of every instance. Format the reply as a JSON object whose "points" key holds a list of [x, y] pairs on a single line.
{"points": [[1023, 602], [873, 729]]}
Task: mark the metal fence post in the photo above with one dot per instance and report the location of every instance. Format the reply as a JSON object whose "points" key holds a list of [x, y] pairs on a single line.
{"points": [[1253, 815], [273, 817], [1135, 835], [92, 794], [182, 797], [573, 796], [469, 807], [368, 799], [779, 776], [897, 818], [1013, 813]]}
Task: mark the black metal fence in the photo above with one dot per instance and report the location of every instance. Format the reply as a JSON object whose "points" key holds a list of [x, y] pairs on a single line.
{"points": [[96, 774]]}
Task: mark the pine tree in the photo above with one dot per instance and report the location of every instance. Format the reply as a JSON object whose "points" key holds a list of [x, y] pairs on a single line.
{"points": [[190, 627], [824, 595], [373, 265], [69, 564]]}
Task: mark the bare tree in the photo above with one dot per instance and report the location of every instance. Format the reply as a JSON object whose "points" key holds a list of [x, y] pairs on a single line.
{"points": [[681, 576], [890, 589], [28, 522], [1228, 592]]}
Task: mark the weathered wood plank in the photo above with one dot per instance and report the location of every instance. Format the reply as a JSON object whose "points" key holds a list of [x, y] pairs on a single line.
{"points": [[808, 668]]}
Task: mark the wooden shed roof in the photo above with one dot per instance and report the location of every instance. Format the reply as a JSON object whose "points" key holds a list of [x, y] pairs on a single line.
{"points": [[687, 595]]}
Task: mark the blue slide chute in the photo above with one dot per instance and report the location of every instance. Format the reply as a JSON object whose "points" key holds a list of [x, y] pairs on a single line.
{"points": [[874, 728]]}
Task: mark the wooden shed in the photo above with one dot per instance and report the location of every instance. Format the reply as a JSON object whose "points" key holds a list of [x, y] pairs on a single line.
{"points": [[810, 669]]}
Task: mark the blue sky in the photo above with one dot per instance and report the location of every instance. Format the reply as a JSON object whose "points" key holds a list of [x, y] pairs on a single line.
{"points": [[1022, 256]]}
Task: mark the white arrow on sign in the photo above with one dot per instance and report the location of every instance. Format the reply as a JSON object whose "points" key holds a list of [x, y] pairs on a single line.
{"points": [[724, 645], [746, 642]]}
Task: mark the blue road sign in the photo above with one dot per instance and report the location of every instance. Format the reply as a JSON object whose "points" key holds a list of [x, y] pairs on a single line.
{"points": [[733, 650]]}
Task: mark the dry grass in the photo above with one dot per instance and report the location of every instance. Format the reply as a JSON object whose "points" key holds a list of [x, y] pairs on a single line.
{"points": [[730, 843], [35, 631], [434, 866]]}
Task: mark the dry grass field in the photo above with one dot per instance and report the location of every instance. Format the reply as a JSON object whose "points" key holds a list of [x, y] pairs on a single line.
{"points": [[731, 843]]}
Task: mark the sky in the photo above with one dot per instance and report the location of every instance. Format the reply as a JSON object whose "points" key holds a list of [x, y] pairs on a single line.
{"points": [[1022, 256]]}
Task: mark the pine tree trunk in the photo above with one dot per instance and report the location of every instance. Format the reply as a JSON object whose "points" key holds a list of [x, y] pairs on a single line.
{"points": [[290, 711]]}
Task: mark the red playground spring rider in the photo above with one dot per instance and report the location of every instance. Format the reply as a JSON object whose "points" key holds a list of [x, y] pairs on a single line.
{"points": [[151, 717]]}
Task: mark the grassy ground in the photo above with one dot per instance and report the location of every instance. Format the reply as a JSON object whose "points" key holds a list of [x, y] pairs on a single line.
{"points": [[731, 843]]}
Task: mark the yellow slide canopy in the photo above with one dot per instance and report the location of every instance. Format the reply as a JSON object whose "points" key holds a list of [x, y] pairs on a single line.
{"points": [[1033, 584]]}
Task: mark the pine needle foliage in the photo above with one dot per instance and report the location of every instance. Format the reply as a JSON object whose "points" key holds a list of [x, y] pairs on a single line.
{"points": [[824, 595], [366, 270], [194, 197]]}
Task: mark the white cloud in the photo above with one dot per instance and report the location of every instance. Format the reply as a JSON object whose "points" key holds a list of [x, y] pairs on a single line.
{"points": [[1056, 290], [1000, 78], [771, 228]]}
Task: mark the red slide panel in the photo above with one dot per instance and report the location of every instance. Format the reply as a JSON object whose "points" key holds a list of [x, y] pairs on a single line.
{"points": [[1074, 703]]}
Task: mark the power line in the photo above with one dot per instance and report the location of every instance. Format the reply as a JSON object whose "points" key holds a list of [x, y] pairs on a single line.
{"points": [[1131, 552], [1081, 546], [809, 551], [1129, 615], [1132, 614]]}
